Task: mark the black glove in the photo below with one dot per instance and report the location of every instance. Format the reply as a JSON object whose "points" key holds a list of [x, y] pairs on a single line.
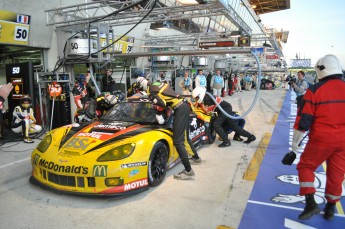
{"points": [[289, 158]]}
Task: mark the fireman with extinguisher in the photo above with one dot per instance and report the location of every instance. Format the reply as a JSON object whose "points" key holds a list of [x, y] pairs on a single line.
{"points": [[320, 114]]}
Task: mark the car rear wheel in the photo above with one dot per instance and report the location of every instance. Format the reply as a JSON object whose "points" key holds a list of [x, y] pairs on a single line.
{"points": [[211, 132], [157, 164]]}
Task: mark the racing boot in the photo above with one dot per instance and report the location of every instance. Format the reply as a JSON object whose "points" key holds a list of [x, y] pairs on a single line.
{"points": [[329, 211], [225, 143], [311, 208], [250, 139], [237, 137], [184, 175]]}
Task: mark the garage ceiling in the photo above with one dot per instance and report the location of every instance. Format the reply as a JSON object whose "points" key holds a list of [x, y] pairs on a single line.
{"points": [[15, 54], [269, 6]]}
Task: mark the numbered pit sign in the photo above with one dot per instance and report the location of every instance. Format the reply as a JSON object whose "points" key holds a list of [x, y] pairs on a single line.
{"points": [[21, 33]]}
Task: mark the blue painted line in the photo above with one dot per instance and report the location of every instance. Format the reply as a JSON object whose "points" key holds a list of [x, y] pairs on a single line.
{"points": [[274, 199]]}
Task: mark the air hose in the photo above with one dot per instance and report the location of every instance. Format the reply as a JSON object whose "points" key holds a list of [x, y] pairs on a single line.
{"points": [[255, 98]]}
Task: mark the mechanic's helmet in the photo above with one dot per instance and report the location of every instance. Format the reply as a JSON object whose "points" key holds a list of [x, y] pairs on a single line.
{"points": [[198, 94], [111, 99], [25, 101], [81, 78], [142, 82], [327, 66]]}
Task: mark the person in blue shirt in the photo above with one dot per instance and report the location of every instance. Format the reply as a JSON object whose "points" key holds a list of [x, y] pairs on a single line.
{"points": [[200, 80], [248, 82], [186, 84], [217, 83]]}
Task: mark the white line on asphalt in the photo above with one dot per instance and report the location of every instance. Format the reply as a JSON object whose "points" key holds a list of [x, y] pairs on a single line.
{"points": [[296, 225], [281, 206], [15, 162]]}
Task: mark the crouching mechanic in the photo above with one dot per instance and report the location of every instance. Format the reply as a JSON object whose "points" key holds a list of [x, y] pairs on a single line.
{"points": [[24, 120], [208, 105], [163, 97], [319, 113]]}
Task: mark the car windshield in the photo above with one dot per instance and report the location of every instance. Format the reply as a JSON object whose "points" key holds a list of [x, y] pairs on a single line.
{"points": [[141, 112]]}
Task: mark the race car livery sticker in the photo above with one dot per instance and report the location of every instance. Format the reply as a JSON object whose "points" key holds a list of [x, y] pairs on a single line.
{"points": [[135, 164], [35, 159], [78, 143], [90, 135], [110, 126], [63, 168], [136, 184], [196, 129], [100, 170], [133, 172]]}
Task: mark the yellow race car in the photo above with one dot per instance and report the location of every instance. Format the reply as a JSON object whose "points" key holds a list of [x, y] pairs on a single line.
{"points": [[124, 152]]}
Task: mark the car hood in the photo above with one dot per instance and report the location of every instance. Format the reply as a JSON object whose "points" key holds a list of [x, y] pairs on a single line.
{"points": [[82, 139]]}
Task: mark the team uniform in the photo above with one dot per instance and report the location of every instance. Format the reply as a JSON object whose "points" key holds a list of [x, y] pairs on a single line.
{"points": [[24, 121], [320, 114], [222, 121], [163, 97]]}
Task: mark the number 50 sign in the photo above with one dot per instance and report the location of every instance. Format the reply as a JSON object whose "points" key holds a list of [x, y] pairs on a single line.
{"points": [[14, 33], [21, 33]]}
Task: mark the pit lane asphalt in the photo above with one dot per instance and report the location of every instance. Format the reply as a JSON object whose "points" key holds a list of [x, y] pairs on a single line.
{"points": [[217, 195]]}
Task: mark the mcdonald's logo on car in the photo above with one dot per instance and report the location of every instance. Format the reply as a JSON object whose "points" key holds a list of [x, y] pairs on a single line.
{"points": [[100, 170]]}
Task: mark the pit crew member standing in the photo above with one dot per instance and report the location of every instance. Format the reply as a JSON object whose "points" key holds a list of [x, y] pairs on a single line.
{"points": [[163, 96], [320, 114], [80, 92], [217, 83], [208, 105], [24, 120], [200, 80]]}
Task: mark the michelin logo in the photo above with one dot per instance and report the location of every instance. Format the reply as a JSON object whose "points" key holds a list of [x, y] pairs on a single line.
{"points": [[135, 164]]}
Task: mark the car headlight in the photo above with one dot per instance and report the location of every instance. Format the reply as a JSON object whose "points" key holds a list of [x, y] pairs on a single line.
{"points": [[44, 144], [118, 153]]}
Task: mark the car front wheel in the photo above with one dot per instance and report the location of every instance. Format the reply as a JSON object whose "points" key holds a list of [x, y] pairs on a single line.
{"points": [[157, 164]]}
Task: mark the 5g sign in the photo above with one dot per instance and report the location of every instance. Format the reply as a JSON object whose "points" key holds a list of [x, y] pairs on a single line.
{"points": [[21, 33], [15, 70]]}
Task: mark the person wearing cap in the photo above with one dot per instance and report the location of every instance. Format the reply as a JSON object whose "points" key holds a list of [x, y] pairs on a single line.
{"points": [[108, 83], [320, 113], [162, 97]]}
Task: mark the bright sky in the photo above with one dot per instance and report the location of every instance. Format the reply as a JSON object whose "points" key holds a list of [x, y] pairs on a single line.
{"points": [[316, 28]]}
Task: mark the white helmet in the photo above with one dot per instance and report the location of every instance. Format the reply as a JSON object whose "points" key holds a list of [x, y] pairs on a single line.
{"points": [[111, 99], [199, 94], [327, 66], [142, 82]]}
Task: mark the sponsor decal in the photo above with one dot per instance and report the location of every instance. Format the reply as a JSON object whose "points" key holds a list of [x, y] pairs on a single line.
{"points": [[135, 164], [136, 184], [78, 143], [100, 170], [110, 126], [63, 168], [62, 161], [90, 135], [197, 132], [133, 172], [35, 159]]}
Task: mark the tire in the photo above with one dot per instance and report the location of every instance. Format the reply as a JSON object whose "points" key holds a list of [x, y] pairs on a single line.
{"points": [[211, 132], [157, 166]]}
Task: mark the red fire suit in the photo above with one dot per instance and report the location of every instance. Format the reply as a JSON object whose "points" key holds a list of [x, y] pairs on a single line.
{"points": [[322, 113]]}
